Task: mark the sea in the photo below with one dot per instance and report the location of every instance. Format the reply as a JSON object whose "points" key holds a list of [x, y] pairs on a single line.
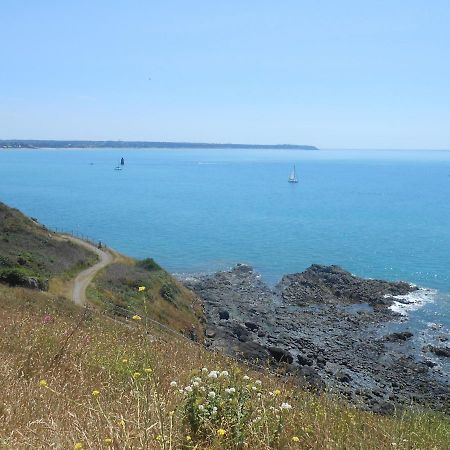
{"points": [[377, 213]]}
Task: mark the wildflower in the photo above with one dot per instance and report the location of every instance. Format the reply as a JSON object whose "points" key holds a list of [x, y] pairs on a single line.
{"points": [[107, 441], [95, 393], [204, 370], [148, 370], [124, 361], [253, 388], [224, 373], [258, 382], [78, 446], [295, 439], [276, 392], [136, 317], [121, 423], [220, 432], [212, 394], [195, 384], [198, 379], [173, 384], [43, 383], [136, 375], [188, 388], [141, 288], [214, 410], [188, 438], [285, 406], [213, 374], [230, 390], [201, 407], [246, 378], [47, 319]]}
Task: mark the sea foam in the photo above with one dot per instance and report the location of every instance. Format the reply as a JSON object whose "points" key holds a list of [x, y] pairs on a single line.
{"points": [[412, 301]]}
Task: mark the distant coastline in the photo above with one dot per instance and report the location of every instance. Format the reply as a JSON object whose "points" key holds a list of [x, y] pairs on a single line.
{"points": [[19, 143]]}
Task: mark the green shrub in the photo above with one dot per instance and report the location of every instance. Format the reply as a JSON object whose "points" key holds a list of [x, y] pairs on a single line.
{"points": [[169, 292], [149, 264], [226, 409]]}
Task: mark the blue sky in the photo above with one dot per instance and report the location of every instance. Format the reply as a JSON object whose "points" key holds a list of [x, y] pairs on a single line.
{"points": [[350, 74]]}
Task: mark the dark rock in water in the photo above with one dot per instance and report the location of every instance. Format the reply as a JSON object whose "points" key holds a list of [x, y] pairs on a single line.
{"points": [[325, 327], [401, 336], [280, 355], [331, 284], [440, 351], [224, 315]]}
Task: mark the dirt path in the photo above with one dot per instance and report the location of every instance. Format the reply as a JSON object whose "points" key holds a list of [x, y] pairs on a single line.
{"points": [[83, 279]]}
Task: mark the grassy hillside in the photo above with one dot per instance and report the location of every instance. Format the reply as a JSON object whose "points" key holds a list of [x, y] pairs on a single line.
{"points": [[115, 290], [28, 249], [71, 379], [108, 376]]}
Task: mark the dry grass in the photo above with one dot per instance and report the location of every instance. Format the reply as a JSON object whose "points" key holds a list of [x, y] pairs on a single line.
{"points": [[42, 338], [164, 300]]}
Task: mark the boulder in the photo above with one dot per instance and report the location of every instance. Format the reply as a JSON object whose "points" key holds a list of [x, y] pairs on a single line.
{"points": [[224, 314], [399, 336], [280, 355]]}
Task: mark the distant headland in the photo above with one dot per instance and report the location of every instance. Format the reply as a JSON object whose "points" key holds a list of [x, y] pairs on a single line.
{"points": [[18, 143]]}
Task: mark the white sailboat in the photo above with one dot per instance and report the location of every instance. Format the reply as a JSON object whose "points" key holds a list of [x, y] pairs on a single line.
{"points": [[293, 176]]}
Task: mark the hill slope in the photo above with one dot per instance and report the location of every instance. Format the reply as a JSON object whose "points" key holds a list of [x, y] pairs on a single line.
{"points": [[74, 377]]}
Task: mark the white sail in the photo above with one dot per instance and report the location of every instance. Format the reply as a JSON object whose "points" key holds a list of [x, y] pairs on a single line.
{"points": [[293, 176]]}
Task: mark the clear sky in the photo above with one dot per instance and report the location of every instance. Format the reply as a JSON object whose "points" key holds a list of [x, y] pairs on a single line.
{"points": [[348, 73]]}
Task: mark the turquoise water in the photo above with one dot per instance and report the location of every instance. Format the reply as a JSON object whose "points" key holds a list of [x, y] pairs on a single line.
{"points": [[377, 213]]}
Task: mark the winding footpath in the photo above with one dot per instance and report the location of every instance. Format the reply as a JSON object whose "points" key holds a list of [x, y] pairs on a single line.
{"points": [[83, 279]]}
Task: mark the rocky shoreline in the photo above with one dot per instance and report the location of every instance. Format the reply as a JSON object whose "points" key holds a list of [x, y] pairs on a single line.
{"points": [[325, 326]]}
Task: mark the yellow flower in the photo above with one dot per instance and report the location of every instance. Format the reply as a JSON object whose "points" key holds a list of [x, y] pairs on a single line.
{"points": [[95, 393], [107, 441], [78, 446], [295, 439], [158, 438], [141, 288], [124, 361], [136, 375], [136, 317], [276, 392], [43, 383], [188, 438], [148, 370], [122, 423], [220, 432]]}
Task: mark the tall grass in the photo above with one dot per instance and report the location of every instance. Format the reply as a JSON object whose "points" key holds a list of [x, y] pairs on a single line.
{"points": [[73, 379]]}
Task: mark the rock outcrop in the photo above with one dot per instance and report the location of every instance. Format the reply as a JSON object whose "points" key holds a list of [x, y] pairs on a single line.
{"points": [[325, 326]]}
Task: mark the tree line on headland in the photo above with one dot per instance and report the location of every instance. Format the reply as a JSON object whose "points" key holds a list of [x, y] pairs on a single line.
{"points": [[15, 143]]}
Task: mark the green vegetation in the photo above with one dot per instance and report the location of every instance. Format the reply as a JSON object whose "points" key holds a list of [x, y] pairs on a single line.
{"points": [[115, 289], [73, 377], [28, 249], [109, 376]]}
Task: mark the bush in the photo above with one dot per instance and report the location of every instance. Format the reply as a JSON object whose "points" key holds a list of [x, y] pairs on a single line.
{"points": [[226, 409], [19, 276], [149, 264], [168, 292]]}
